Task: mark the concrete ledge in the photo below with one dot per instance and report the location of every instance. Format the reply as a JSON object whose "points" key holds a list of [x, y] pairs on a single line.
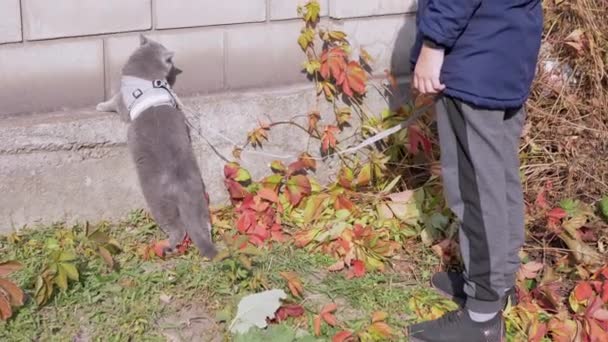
{"points": [[74, 166]]}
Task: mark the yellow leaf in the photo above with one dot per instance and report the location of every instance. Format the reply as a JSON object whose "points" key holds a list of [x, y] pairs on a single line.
{"points": [[61, 279], [306, 38]]}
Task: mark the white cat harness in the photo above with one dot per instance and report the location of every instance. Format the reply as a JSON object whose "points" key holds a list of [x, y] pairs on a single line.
{"points": [[139, 94]]}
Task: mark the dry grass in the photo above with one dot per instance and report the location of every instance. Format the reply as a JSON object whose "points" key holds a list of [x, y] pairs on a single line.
{"points": [[566, 140]]}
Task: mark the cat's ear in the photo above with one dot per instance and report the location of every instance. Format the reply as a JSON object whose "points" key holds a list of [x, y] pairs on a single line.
{"points": [[142, 39], [177, 70]]}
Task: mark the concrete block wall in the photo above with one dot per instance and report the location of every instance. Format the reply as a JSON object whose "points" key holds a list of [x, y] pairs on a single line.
{"points": [[68, 53], [62, 161]]}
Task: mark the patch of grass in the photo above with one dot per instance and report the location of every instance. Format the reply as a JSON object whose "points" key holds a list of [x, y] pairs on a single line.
{"points": [[144, 299]]}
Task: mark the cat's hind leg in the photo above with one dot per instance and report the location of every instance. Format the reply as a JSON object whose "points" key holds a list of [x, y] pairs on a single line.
{"points": [[166, 214]]}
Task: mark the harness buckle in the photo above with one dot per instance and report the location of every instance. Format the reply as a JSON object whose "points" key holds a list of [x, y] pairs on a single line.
{"points": [[159, 84]]}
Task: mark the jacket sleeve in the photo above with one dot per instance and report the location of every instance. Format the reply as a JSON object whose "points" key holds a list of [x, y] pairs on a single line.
{"points": [[442, 21]]}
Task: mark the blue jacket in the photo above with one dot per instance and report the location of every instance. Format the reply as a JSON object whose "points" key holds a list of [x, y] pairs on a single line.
{"points": [[491, 47]]}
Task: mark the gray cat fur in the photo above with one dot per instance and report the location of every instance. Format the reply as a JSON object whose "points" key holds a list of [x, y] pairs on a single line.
{"points": [[160, 146]]}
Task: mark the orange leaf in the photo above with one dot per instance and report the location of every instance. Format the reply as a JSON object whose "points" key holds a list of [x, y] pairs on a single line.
{"points": [[9, 267], [537, 331], [293, 282], [338, 266], [342, 202], [15, 294], [326, 314], [333, 63], [5, 308], [317, 325], [330, 319], [313, 119], [308, 161], [268, 195], [583, 291], [353, 79], [342, 336], [379, 316], [329, 138], [381, 328]]}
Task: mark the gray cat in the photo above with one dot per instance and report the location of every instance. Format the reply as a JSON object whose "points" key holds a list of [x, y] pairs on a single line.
{"points": [[160, 145]]}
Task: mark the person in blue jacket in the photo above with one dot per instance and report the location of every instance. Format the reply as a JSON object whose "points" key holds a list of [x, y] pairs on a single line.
{"points": [[479, 57]]}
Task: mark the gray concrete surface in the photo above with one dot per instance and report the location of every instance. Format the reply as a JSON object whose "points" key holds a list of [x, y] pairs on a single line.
{"points": [[74, 165]]}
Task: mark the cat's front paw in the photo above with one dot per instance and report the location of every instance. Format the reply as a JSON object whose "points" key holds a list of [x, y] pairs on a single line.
{"points": [[105, 107]]}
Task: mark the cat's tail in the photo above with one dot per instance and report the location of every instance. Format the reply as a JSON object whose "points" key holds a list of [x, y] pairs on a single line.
{"points": [[197, 221]]}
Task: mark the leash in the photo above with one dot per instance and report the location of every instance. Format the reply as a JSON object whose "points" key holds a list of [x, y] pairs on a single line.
{"points": [[417, 114]]}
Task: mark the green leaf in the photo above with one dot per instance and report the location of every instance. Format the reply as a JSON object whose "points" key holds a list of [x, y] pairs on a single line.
{"points": [[98, 236], [313, 8], [312, 66], [306, 38], [604, 207], [365, 175], [570, 206], [314, 207], [66, 256], [242, 175], [251, 250], [70, 270], [391, 185], [277, 166], [61, 279]]}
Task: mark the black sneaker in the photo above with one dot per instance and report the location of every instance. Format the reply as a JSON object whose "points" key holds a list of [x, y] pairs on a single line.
{"points": [[451, 285], [457, 326]]}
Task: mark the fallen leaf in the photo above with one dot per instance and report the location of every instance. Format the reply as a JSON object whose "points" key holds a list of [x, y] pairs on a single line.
{"points": [[338, 266], [288, 310], [342, 336], [379, 316], [5, 308], [317, 325], [357, 269], [294, 283], [254, 309], [13, 292], [531, 269], [9, 267]]}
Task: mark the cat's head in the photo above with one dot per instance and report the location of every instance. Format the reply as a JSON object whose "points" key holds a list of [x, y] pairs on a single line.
{"points": [[152, 61]]}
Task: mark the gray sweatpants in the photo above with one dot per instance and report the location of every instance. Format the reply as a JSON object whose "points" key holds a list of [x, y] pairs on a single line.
{"points": [[480, 171]]}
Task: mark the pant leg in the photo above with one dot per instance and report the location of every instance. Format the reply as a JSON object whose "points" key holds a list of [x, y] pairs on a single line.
{"points": [[514, 122], [473, 171]]}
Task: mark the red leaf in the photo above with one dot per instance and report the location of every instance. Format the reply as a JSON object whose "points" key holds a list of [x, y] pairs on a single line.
{"points": [[333, 63], [353, 79], [583, 291], [417, 138], [342, 336], [605, 292], [329, 138], [246, 221], [5, 308], [159, 247], [557, 213], [288, 310], [296, 167], [330, 319], [357, 270]]}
